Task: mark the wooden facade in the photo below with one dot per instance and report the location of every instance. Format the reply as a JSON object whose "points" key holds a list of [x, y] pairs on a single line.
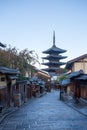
{"points": [[84, 92], [29, 90], [77, 87], [78, 64], [79, 83], [21, 92], [43, 75], [3, 90], [7, 86], [82, 85]]}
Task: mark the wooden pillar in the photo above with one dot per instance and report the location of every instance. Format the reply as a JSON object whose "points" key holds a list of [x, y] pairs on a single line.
{"points": [[8, 94]]}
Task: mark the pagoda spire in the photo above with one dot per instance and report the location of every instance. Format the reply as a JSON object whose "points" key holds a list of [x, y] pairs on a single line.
{"points": [[53, 38], [53, 59]]}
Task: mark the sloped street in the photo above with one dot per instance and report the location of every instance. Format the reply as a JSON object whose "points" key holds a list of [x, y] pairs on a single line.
{"points": [[45, 113]]}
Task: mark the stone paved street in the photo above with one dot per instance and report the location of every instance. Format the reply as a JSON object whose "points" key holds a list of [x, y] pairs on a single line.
{"points": [[45, 113]]}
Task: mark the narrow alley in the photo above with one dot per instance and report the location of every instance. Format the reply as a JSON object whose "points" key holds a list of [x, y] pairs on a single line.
{"points": [[45, 113]]}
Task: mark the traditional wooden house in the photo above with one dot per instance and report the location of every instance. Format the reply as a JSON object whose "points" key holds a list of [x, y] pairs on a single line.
{"points": [[77, 64], [41, 84], [71, 86], [65, 89], [82, 86], [75, 84], [20, 96], [29, 89], [34, 86], [66, 86], [76, 76], [37, 86], [43, 75], [8, 78]]}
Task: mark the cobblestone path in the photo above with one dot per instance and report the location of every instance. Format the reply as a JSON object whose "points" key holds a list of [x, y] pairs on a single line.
{"points": [[45, 113]]}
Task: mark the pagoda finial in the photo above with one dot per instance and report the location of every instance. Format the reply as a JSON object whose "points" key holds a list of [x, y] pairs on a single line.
{"points": [[53, 38]]}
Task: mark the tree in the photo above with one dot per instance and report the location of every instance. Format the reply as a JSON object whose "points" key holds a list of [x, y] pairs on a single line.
{"points": [[22, 60], [27, 59]]}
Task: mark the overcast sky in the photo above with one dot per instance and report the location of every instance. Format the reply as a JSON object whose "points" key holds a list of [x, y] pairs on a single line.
{"points": [[30, 24]]}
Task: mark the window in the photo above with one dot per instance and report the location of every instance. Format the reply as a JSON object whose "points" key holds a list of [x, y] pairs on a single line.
{"points": [[2, 78]]}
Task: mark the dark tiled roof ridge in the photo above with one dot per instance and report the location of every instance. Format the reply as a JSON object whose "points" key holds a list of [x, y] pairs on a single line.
{"points": [[82, 77], [54, 48], [77, 58], [2, 45], [7, 70], [76, 73]]}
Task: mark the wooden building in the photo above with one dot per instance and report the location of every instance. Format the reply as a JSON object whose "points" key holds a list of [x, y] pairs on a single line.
{"points": [[20, 95], [72, 77], [43, 75], [37, 86], [66, 86], [82, 86], [76, 84], [77, 64], [79, 82], [8, 78]]}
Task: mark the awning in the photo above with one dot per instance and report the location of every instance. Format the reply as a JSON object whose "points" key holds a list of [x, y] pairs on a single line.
{"points": [[12, 77], [65, 82], [75, 74], [82, 77]]}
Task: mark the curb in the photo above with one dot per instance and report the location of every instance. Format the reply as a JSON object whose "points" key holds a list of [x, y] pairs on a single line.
{"points": [[7, 114], [75, 109]]}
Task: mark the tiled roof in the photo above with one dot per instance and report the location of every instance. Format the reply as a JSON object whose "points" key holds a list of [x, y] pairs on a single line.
{"points": [[52, 69], [54, 49], [69, 63], [8, 70], [82, 77], [34, 79], [78, 58], [12, 77], [75, 74], [50, 57], [2, 45], [65, 82], [54, 63]]}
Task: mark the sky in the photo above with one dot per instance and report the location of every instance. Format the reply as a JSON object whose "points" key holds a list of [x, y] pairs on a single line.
{"points": [[30, 24]]}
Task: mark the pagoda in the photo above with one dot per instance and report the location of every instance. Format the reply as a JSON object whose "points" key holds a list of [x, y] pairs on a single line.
{"points": [[53, 59]]}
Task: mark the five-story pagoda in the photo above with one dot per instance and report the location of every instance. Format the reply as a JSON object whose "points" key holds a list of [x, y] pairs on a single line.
{"points": [[54, 57]]}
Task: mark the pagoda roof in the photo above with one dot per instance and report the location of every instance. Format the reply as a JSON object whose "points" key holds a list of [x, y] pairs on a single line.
{"points": [[54, 63], [2, 45], [50, 57], [54, 49], [52, 69]]}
